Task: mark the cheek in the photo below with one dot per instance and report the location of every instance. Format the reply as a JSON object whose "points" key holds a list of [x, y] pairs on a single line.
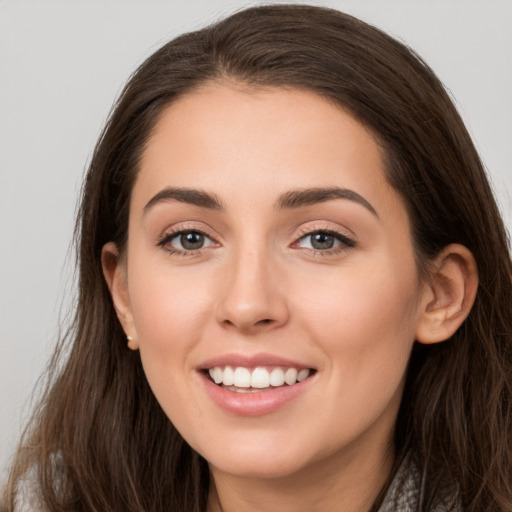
{"points": [[170, 309], [369, 304], [365, 323]]}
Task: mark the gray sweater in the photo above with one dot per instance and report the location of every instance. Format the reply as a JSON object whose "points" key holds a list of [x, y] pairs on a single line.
{"points": [[405, 492]]}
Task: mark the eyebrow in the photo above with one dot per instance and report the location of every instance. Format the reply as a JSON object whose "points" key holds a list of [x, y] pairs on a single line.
{"points": [[186, 195], [288, 200], [310, 196]]}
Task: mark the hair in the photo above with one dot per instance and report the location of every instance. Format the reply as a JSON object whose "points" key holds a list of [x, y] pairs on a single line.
{"points": [[99, 440]]}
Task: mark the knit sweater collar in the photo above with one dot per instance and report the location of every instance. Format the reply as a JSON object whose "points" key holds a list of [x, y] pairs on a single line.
{"points": [[405, 494]]}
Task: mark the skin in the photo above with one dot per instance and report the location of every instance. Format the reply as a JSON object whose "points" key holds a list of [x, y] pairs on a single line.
{"points": [[351, 312]]}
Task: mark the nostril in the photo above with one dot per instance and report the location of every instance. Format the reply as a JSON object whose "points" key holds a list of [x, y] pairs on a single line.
{"points": [[249, 326]]}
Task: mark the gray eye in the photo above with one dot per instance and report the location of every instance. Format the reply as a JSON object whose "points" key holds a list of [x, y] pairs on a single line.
{"points": [[190, 241], [322, 241]]}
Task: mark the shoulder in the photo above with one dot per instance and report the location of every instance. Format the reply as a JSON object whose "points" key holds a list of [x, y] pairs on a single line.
{"points": [[407, 491]]}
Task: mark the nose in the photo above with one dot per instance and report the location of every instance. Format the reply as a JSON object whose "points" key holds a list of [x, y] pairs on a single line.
{"points": [[253, 298]]}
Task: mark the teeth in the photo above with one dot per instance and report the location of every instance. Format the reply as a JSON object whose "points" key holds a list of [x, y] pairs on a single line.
{"points": [[259, 378], [229, 376], [276, 377], [303, 374], [216, 374], [290, 377], [242, 378]]}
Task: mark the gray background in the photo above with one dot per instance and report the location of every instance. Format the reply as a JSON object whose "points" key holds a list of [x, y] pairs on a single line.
{"points": [[62, 63]]}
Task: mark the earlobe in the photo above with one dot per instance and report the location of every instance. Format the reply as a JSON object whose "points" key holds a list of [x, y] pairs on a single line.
{"points": [[451, 293], [114, 271]]}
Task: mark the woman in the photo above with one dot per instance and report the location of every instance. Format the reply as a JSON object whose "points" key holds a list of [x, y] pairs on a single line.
{"points": [[287, 223]]}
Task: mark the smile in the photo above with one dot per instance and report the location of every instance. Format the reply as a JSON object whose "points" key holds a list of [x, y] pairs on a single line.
{"points": [[255, 384], [243, 380]]}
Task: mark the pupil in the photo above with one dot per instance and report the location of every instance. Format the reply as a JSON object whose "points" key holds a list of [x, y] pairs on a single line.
{"points": [[192, 240], [322, 241]]}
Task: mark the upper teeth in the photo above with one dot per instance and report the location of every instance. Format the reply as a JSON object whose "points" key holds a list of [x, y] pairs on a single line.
{"points": [[258, 377]]}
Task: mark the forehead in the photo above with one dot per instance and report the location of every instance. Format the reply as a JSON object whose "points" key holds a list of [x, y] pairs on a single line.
{"points": [[262, 142]]}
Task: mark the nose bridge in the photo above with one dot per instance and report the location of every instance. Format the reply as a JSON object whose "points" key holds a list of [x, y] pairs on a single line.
{"points": [[253, 299]]}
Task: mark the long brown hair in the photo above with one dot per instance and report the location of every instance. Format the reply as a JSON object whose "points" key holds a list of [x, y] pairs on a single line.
{"points": [[99, 441]]}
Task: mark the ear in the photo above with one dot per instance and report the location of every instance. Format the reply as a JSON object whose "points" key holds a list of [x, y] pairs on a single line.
{"points": [[451, 292], [114, 270]]}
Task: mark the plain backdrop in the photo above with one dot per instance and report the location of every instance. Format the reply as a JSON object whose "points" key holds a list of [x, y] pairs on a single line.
{"points": [[62, 63]]}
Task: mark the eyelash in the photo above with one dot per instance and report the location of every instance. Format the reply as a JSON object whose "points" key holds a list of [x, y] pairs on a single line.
{"points": [[346, 242], [168, 237]]}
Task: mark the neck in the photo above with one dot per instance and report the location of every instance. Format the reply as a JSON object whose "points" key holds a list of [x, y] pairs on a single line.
{"points": [[348, 481]]}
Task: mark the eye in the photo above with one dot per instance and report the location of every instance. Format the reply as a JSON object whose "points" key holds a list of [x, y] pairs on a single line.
{"points": [[186, 241], [325, 241]]}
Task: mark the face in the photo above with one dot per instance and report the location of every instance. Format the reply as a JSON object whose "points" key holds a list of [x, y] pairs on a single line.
{"points": [[270, 281]]}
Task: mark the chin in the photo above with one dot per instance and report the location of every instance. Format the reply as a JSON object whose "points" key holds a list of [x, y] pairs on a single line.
{"points": [[260, 459], [264, 466]]}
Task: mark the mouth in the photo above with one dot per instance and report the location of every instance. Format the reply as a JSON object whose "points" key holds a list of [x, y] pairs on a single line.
{"points": [[241, 379], [255, 384]]}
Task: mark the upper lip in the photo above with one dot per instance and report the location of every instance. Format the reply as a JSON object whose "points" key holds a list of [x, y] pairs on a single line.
{"points": [[251, 361]]}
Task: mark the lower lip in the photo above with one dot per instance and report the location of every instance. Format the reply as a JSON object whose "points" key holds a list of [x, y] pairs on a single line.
{"points": [[255, 403]]}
